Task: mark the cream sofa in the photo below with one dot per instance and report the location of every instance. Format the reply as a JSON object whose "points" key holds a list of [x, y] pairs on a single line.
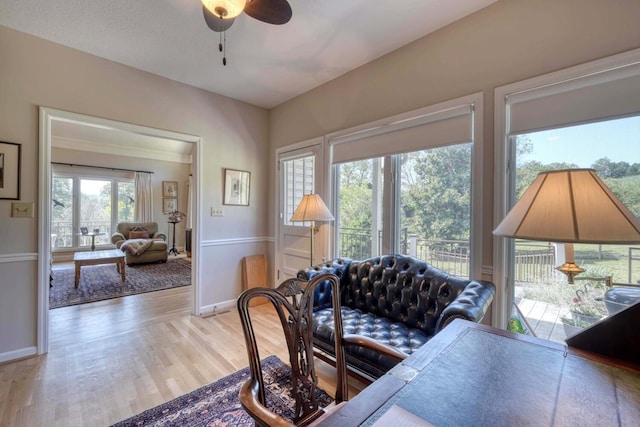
{"points": [[157, 252]]}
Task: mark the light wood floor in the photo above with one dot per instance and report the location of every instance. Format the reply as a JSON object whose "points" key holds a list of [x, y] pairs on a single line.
{"points": [[113, 359]]}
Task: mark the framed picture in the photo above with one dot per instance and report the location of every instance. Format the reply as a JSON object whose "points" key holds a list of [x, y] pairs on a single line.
{"points": [[10, 170], [169, 204], [84, 230], [236, 187], [169, 189]]}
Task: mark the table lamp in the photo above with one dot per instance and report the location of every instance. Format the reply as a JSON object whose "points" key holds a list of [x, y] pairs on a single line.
{"points": [[570, 206], [311, 208]]}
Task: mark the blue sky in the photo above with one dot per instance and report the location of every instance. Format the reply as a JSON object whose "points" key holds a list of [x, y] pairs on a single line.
{"points": [[619, 140]]}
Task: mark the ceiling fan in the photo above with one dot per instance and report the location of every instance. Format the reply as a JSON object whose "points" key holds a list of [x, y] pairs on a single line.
{"points": [[220, 15]]}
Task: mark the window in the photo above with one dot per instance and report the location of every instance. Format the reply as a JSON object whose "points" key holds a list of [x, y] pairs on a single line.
{"points": [[553, 308], [413, 194], [435, 207], [298, 181], [62, 212], [360, 185], [91, 202], [585, 116]]}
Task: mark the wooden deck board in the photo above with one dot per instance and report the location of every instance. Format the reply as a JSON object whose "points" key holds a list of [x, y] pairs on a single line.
{"points": [[544, 319]]}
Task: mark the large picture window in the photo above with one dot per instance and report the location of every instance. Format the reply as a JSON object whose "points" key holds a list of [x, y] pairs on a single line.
{"points": [[88, 202], [416, 196], [584, 117]]}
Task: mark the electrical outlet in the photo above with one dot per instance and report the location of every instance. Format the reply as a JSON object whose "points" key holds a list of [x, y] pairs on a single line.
{"points": [[216, 212], [22, 210]]}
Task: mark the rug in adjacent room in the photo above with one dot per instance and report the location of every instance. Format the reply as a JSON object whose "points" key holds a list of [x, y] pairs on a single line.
{"points": [[100, 282], [217, 404]]}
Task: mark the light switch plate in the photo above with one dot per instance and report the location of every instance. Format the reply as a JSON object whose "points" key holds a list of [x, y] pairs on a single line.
{"points": [[22, 210]]}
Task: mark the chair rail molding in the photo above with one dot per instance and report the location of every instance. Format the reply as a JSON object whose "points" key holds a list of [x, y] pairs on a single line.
{"points": [[238, 241], [29, 256]]}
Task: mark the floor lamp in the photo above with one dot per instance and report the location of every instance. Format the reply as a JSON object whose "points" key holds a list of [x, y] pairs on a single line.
{"points": [[174, 218], [570, 206], [312, 209]]}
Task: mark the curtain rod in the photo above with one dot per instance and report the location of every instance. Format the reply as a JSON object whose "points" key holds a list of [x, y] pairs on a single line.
{"points": [[98, 167]]}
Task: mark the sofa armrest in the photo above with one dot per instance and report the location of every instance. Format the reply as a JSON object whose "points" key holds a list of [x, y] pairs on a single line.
{"points": [[117, 237], [367, 342], [158, 236], [472, 304]]}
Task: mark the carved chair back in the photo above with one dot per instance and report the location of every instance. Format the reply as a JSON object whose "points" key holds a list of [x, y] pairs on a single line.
{"points": [[293, 302]]}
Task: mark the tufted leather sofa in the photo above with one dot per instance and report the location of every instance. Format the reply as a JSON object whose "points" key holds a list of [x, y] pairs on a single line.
{"points": [[396, 300]]}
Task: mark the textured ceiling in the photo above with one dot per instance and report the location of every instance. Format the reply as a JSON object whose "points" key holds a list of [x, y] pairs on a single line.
{"points": [[267, 64]]}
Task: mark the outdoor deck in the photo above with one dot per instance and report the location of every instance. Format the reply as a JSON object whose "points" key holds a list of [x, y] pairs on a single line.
{"points": [[544, 319]]}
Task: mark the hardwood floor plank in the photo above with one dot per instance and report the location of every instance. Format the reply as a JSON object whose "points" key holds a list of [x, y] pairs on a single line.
{"points": [[112, 359]]}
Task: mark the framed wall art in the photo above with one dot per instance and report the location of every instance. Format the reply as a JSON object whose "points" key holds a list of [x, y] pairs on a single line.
{"points": [[10, 170], [169, 204], [169, 189], [236, 187]]}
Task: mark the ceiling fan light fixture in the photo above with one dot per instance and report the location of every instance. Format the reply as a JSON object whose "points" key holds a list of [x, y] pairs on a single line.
{"points": [[225, 9]]}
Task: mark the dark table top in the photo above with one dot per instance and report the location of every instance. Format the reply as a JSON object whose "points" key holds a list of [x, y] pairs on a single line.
{"points": [[472, 374]]}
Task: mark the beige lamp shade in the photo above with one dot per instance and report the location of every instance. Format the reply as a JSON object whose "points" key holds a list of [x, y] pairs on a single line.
{"points": [[571, 206], [312, 208]]}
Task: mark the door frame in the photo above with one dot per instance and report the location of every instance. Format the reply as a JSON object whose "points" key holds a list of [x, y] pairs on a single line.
{"points": [[47, 116], [316, 146]]}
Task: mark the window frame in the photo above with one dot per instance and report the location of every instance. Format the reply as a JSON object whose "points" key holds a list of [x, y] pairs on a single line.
{"points": [[76, 178], [588, 75], [408, 121]]}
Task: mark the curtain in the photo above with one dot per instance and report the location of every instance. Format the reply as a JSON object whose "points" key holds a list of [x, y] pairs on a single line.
{"points": [[189, 202], [144, 197]]}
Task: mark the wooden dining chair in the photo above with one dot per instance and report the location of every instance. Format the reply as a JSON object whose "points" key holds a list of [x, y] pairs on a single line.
{"points": [[293, 302]]}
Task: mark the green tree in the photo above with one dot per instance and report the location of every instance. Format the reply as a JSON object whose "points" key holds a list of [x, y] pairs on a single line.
{"points": [[356, 192], [628, 191], [437, 192], [126, 201], [61, 199]]}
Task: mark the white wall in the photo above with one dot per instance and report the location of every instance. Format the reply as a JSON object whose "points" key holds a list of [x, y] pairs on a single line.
{"points": [[35, 72]]}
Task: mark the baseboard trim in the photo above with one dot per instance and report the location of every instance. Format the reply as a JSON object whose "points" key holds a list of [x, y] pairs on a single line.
{"points": [[211, 309], [18, 354]]}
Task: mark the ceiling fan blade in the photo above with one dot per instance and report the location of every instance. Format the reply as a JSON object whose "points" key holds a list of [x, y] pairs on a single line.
{"points": [[216, 23], [275, 12]]}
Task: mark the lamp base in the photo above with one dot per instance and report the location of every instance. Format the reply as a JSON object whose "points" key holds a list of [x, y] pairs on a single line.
{"points": [[571, 270]]}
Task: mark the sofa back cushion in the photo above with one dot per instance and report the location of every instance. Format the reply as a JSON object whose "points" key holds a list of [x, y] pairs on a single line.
{"points": [[398, 287], [127, 227], [138, 234]]}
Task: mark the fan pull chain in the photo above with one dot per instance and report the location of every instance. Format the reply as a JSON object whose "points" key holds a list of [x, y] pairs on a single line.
{"points": [[222, 46], [224, 50]]}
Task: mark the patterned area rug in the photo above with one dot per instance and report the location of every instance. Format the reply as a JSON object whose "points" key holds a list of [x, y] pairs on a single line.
{"points": [[100, 282], [217, 404]]}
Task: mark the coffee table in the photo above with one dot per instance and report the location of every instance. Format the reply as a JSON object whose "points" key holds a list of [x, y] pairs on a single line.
{"points": [[113, 256]]}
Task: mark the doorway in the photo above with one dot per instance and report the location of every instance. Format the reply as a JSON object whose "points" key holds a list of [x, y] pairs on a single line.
{"points": [[48, 117], [299, 173]]}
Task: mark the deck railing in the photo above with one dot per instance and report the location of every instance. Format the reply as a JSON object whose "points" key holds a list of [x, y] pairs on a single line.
{"points": [[453, 256], [62, 234]]}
